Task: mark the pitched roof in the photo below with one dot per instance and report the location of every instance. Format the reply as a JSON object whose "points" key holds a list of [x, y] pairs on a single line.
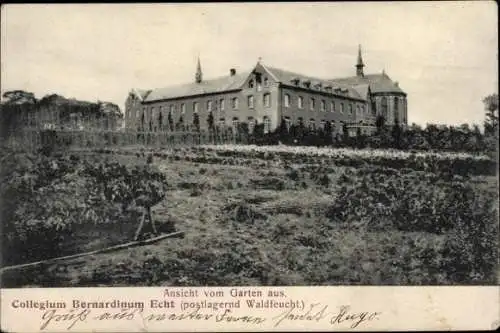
{"points": [[362, 89], [216, 85], [354, 87], [287, 77], [140, 93], [377, 82]]}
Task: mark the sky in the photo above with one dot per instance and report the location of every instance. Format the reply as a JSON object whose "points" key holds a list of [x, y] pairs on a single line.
{"points": [[443, 54]]}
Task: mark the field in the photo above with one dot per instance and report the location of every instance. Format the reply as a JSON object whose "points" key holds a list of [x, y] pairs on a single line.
{"points": [[253, 216]]}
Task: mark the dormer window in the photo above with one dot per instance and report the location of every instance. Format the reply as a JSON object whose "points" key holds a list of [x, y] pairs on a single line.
{"points": [[295, 81], [307, 84], [250, 84], [266, 82], [337, 90], [318, 85], [328, 89], [258, 80]]}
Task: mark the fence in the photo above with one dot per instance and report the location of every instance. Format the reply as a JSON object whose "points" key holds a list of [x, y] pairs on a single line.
{"points": [[34, 139]]}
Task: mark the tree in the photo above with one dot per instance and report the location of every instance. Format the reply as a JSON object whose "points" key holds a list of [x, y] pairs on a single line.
{"points": [[491, 121], [18, 97], [210, 121], [380, 123], [328, 133], [160, 121], [196, 122], [345, 132], [170, 120], [396, 135], [180, 123]]}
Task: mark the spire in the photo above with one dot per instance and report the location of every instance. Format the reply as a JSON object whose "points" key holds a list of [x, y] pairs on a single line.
{"points": [[198, 77], [359, 64]]}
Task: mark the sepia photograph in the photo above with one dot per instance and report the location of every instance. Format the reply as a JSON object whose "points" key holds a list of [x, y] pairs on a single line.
{"points": [[249, 144]]}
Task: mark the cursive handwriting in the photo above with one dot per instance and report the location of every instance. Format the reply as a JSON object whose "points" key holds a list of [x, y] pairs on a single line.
{"points": [[314, 312], [317, 312], [71, 317]]}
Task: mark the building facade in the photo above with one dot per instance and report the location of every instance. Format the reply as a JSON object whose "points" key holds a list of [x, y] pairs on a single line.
{"points": [[268, 95]]}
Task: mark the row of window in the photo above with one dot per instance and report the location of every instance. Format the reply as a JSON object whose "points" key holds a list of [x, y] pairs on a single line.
{"points": [[210, 105], [360, 108], [311, 123], [319, 86], [323, 105], [221, 122]]}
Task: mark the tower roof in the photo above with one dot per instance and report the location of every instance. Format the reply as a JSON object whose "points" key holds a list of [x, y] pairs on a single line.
{"points": [[360, 57], [359, 64], [198, 77]]}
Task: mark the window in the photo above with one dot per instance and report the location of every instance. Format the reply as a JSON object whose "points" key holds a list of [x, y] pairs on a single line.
{"points": [[312, 124], [300, 102], [183, 108], [266, 82], [288, 123], [195, 107], [332, 106], [322, 124], [251, 102], [258, 80], [396, 104], [172, 108], [267, 100], [236, 122], [222, 122], [374, 108], [221, 104], [342, 107], [267, 124], [209, 106], [300, 122], [287, 100], [235, 103], [323, 105], [363, 110], [251, 124], [350, 108], [311, 104], [250, 84]]}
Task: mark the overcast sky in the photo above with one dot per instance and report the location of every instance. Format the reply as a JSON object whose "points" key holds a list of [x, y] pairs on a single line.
{"points": [[444, 54]]}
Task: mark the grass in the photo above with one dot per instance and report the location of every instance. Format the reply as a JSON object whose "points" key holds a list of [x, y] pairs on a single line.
{"points": [[259, 224]]}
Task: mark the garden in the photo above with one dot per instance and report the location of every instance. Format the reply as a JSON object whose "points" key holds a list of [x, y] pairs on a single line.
{"points": [[251, 215]]}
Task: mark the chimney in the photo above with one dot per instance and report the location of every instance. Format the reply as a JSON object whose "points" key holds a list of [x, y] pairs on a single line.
{"points": [[232, 72]]}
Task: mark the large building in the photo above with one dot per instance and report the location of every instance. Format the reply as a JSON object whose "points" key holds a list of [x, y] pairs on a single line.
{"points": [[268, 95]]}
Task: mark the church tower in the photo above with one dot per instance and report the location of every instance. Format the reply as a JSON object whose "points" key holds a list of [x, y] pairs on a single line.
{"points": [[198, 77], [359, 64]]}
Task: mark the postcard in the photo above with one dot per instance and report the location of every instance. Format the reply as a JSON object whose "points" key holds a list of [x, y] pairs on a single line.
{"points": [[249, 167]]}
